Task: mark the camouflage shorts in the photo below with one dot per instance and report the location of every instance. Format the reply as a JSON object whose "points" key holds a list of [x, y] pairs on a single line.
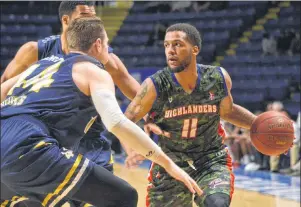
{"points": [[164, 191]]}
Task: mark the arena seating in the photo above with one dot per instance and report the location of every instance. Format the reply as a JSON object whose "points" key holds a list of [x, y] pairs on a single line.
{"points": [[256, 79], [217, 28], [269, 77], [20, 24]]}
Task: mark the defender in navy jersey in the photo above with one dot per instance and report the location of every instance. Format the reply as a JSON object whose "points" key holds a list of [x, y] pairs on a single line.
{"points": [[52, 45], [186, 100], [94, 145], [53, 104]]}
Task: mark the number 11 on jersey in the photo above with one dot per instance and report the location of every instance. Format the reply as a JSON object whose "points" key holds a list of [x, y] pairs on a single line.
{"points": [[189, 128]]}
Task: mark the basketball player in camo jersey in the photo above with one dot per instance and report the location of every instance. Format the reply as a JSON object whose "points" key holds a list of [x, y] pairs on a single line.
{"points": [[186, 100]]}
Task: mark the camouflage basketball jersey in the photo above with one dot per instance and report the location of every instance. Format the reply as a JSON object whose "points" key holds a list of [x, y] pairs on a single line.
{"points": [[191, 119]]}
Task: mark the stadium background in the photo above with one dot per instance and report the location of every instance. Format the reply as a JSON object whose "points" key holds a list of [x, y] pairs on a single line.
{"points": [[257, 42]]}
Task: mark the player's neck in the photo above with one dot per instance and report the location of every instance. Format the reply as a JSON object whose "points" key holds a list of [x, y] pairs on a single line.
{"points": [[64, 43], [188, 77], [189, 74], [77, 51]]}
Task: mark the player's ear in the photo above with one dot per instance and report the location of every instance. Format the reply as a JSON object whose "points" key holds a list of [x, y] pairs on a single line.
{"points": [[195, 50], [65, 20], [98, 44]]}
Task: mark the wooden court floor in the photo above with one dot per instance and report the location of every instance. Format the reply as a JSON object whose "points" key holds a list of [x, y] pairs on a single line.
{"points": [[241, 198]]}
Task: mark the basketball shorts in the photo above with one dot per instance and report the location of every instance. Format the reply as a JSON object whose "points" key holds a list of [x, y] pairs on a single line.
{"points": [[214, 176], [97, 148], [34, 166], [9, 198]]}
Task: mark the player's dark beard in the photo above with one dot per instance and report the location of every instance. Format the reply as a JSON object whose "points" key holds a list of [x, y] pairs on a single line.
{"points": [[184, 64]]}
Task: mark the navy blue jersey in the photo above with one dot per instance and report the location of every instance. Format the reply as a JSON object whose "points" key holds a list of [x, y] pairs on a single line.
{"points": [[52, 46], [47, 91]]}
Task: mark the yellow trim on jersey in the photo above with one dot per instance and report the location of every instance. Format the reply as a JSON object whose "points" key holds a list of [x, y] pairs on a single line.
{"points": [[87, 205], [66, 180], [13, 201], [71, 185], [15, 198], [4, 203], [19, 199], [40, 144], [111, 159]]}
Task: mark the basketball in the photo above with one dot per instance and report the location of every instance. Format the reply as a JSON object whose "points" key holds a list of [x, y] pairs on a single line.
{"points": [[272, 133]]}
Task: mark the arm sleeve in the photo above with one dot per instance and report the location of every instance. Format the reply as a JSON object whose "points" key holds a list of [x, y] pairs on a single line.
{"points": [[115, 121]]}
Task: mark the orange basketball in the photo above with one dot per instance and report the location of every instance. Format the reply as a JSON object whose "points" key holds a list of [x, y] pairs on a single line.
{"points": [[272, 133]]}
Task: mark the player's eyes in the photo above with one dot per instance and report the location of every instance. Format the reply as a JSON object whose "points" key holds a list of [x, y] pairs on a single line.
{"points": [[173, 45]]}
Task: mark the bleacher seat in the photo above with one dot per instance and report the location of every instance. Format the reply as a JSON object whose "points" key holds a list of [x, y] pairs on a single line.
{"points": [[295, 97], [292, 107]]}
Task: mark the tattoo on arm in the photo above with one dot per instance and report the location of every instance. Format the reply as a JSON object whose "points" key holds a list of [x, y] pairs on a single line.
{"points": [[240, 117], [135, 108], [244, 114]]}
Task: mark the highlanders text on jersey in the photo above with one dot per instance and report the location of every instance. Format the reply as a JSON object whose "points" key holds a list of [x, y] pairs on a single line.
{"points": [[191, 119]]}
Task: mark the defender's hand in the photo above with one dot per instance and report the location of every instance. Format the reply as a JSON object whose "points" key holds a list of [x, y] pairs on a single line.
{"points": [[151, 127], [182, 176], [133, 160]]}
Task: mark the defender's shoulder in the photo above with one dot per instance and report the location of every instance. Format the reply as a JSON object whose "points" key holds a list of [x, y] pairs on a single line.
{"points": [[49, 39]]}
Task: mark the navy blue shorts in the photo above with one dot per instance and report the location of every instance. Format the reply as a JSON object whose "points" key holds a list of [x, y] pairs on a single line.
{"points": [[33, 164], [97, 148]]}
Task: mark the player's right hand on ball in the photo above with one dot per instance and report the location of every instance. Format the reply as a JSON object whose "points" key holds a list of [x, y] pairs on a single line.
{"points": [[182, 176]]}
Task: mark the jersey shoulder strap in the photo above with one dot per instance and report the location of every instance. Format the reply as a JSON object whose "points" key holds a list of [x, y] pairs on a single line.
{"points": [[163, 83], [212, 77], [46, 46]]}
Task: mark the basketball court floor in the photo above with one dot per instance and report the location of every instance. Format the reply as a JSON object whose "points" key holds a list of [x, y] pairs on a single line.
{"points": [[252, 189]]}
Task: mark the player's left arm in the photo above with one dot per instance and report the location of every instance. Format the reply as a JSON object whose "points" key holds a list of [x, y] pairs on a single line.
{"points": [[143, 101], [234, 113], [121, 77], [7, 85], [141, 105], [128, 85]]}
